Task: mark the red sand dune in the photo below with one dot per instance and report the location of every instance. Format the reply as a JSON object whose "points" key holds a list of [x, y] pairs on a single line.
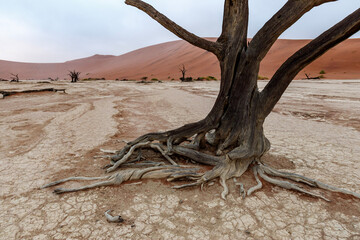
{"points": [[162, 61]]}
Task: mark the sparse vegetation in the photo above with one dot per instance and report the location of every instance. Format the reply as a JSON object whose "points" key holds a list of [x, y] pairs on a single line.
{"points": [[187, 79], [93, 79], [144, 78], [208, 78], [322, 72], [153, 80], [262, 78]]}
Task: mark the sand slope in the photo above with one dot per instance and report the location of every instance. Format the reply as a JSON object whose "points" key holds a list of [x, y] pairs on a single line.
{"points": [[163, 61]]}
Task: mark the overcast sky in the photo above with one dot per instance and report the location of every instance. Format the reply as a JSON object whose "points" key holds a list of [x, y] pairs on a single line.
{"points": [[61, 30]]}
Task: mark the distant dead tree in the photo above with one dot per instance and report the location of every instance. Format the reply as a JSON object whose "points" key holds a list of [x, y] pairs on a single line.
{"points": [[309, 78], [14, 77], [183, 71], [74, 76]]}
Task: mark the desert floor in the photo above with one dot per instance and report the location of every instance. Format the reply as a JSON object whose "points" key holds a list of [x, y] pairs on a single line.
{"points": [[314, 131]]}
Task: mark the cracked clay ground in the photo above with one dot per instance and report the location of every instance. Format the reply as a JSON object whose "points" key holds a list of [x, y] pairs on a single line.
{"points": [[314, 131]]}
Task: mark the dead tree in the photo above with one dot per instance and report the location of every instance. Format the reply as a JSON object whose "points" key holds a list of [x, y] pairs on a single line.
{"points": [[183, 71], [74, 76], [309, 78], [231, 137], [14, 77]]}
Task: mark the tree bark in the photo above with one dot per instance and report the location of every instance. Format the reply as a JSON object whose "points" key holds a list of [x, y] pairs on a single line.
{"points": [[240, 109]]}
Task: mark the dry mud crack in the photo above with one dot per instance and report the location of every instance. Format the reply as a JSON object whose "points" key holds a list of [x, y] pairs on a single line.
{"points": [[49, 136]]}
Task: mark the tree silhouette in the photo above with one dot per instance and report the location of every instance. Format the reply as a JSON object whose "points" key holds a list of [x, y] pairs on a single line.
{"points": [[183, 71], [74, 76]]}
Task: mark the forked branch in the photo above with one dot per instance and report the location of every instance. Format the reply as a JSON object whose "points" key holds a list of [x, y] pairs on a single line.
{"points": [[306, 55], [290, 13], [182, 33]]}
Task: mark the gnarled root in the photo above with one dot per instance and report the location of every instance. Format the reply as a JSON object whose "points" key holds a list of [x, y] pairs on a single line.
{"points": [[230, 165], [308, 181], [259, 184], [128, 175], [288, 185]]}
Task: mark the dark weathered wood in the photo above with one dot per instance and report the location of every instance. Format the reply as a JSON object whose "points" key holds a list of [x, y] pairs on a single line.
{"points": [[238, 113], [313, 50], [174, 28], [290, 13]]}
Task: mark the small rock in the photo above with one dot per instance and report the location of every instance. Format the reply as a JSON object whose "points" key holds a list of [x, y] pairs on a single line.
{"points": [[213, 220]]}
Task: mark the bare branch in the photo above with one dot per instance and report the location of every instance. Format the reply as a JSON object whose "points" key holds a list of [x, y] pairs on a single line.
{"points": [[290, 13], [182, 33], [313, 50]]}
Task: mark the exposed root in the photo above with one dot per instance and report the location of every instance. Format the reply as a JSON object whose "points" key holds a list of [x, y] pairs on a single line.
{"points": [[126, 175], [224, 171], [143, 164], [288, 185], [102, 156], [197, 142], [108, 151], [242, 189], [98, 184], [198, 156], [225, 192], [156, 146], [187, 185], [127, 156], [306, 180], [230, 165], [259, 184], [162, 151], [73, 179]]}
